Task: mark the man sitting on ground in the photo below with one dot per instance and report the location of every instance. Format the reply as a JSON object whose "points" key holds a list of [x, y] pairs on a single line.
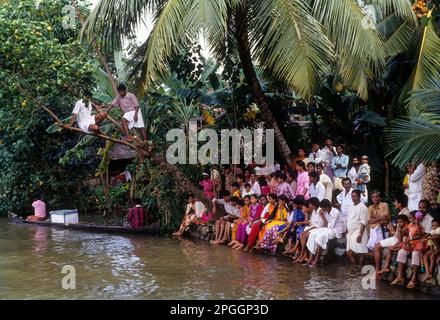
{"points": [[229, 213]]}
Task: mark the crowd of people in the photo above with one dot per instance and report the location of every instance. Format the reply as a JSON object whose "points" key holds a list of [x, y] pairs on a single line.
{"points": [[301, 206]]}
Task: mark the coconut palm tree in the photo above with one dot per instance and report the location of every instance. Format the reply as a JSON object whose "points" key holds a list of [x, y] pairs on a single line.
{"points": [[295, 41]]}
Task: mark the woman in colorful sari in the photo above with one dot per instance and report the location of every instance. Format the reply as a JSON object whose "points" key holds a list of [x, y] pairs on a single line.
{"points": [[255, 210], [268, 211], [244, 217], [276, 222]]}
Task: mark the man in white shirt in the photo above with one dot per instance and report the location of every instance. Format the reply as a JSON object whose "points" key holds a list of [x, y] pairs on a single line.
{"points": [[223, 224], [82, 113], [317, 189], [316, 156], [427, 218], [357, 235], [326, 181], [334, 227], [255, 186], [344, 199], [415, 183]]}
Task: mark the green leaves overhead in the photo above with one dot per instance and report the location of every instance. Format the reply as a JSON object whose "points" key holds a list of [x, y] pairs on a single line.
{"points": [[359, 48], [291, 44]]}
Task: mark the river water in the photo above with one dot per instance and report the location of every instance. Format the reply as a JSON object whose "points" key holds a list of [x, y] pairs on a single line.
{"points": [[134, 267]]}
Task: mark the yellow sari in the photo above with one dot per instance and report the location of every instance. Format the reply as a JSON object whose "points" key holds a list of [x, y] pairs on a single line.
{"points": [[245, 212]]}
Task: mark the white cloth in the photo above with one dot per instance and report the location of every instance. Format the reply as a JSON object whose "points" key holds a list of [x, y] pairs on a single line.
{"points": [[129, 116], [376, 236], [317, 191], [328, 185], [345, 201], [321, 236], [229, 208], [256, 188], [357, 216], [415, 183], [315, 221], [389, 242], [84, 115], [265, 171], [328, 155], [353, 174], [316, 157], [244, 193], [427, 223]]}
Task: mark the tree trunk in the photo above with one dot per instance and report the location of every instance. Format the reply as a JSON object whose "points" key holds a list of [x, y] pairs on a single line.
{"points": [[244, 50]]}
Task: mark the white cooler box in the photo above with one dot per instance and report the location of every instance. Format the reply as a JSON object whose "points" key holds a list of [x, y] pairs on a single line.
{"points": [[64, 216]]}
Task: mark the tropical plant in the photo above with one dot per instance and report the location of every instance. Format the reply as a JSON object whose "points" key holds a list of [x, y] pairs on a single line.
{"points": [[295, 41]]}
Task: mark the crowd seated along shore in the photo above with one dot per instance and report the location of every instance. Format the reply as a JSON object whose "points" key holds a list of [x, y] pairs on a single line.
{"points": [[299, 207]]}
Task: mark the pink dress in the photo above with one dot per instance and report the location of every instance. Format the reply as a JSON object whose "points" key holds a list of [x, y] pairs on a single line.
{"points": [[302, 183], [208, 188]]}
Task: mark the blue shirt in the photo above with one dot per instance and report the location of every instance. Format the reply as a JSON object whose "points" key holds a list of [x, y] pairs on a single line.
{"points": [[340, 172]]}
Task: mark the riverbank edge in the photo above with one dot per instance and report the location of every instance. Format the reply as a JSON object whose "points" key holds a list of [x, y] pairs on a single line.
{"points": [[432, 287]]}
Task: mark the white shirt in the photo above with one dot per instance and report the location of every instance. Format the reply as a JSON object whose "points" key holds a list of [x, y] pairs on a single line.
{"points": [[317, 191], [328, 185], [415, 183], [82, 111], [357, 215], [229, 208], [336, 222], [316, 157], [345, 201], [316, 220], [353, 175], [427, 223], [255, 189], [265, 171]]}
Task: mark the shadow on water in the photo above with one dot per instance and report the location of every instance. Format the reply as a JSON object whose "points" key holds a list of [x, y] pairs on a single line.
{"points": [[132, 267]]}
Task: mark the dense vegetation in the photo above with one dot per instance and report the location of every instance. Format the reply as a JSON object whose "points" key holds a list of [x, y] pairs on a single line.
{"points": [[355, 79]]}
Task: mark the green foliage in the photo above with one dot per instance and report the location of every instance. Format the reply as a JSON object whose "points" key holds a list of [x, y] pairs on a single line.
{"points": [[40, 59]]}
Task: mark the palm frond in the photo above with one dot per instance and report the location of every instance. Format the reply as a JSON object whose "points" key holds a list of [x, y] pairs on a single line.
{"points": [[414, 138], [359, 47], [291, 44], [402, 8]]}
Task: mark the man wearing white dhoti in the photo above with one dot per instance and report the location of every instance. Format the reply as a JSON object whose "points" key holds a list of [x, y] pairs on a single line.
{"points": [[415, 183], [334, 227], [357, 236], [82, 114]]}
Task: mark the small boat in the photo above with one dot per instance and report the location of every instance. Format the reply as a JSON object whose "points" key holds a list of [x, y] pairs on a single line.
{"points": [[152, 229]]}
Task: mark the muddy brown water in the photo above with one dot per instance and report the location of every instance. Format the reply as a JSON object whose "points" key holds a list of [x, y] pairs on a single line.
{"points": [[133, 267]]}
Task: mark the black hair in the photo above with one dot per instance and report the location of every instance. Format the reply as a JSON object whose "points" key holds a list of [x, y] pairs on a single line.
{"points": [[240, 176], [319, 165], [413, 213], [247, 185], [262, 196], [273, 196], [122, 87], [311, 163], [299, 200], [301, 164], [426, 202], [325, 204], [402, 199], [87, 93], [37, 196], [436, 221], [283, 176], [236, 185], [342, 146], [376, 192], [262, 181], [235, 199], [284, 198], [137, 201], [225, 193], [240, 202], [403, 217], [358, 192], [346, 179], [314, 201], [314, 174], [247, 196]]}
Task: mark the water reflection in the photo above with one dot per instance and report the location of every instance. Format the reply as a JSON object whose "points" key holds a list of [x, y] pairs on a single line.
{"points": [[122, 267]]}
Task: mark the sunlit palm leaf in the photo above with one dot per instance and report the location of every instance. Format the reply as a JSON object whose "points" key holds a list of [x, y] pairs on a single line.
{"points": [[359, 48], [291, 43]]}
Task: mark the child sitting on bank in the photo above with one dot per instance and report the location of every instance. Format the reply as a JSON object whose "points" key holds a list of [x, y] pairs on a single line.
{"points": [[412, 244], [392, 243], [295, 225], [235, 188], [39, 209], [430, 258], [247, 190]]}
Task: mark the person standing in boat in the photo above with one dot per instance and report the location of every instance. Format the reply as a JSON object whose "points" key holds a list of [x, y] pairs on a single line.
{"points": [[39, 209], [137, 216]]}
